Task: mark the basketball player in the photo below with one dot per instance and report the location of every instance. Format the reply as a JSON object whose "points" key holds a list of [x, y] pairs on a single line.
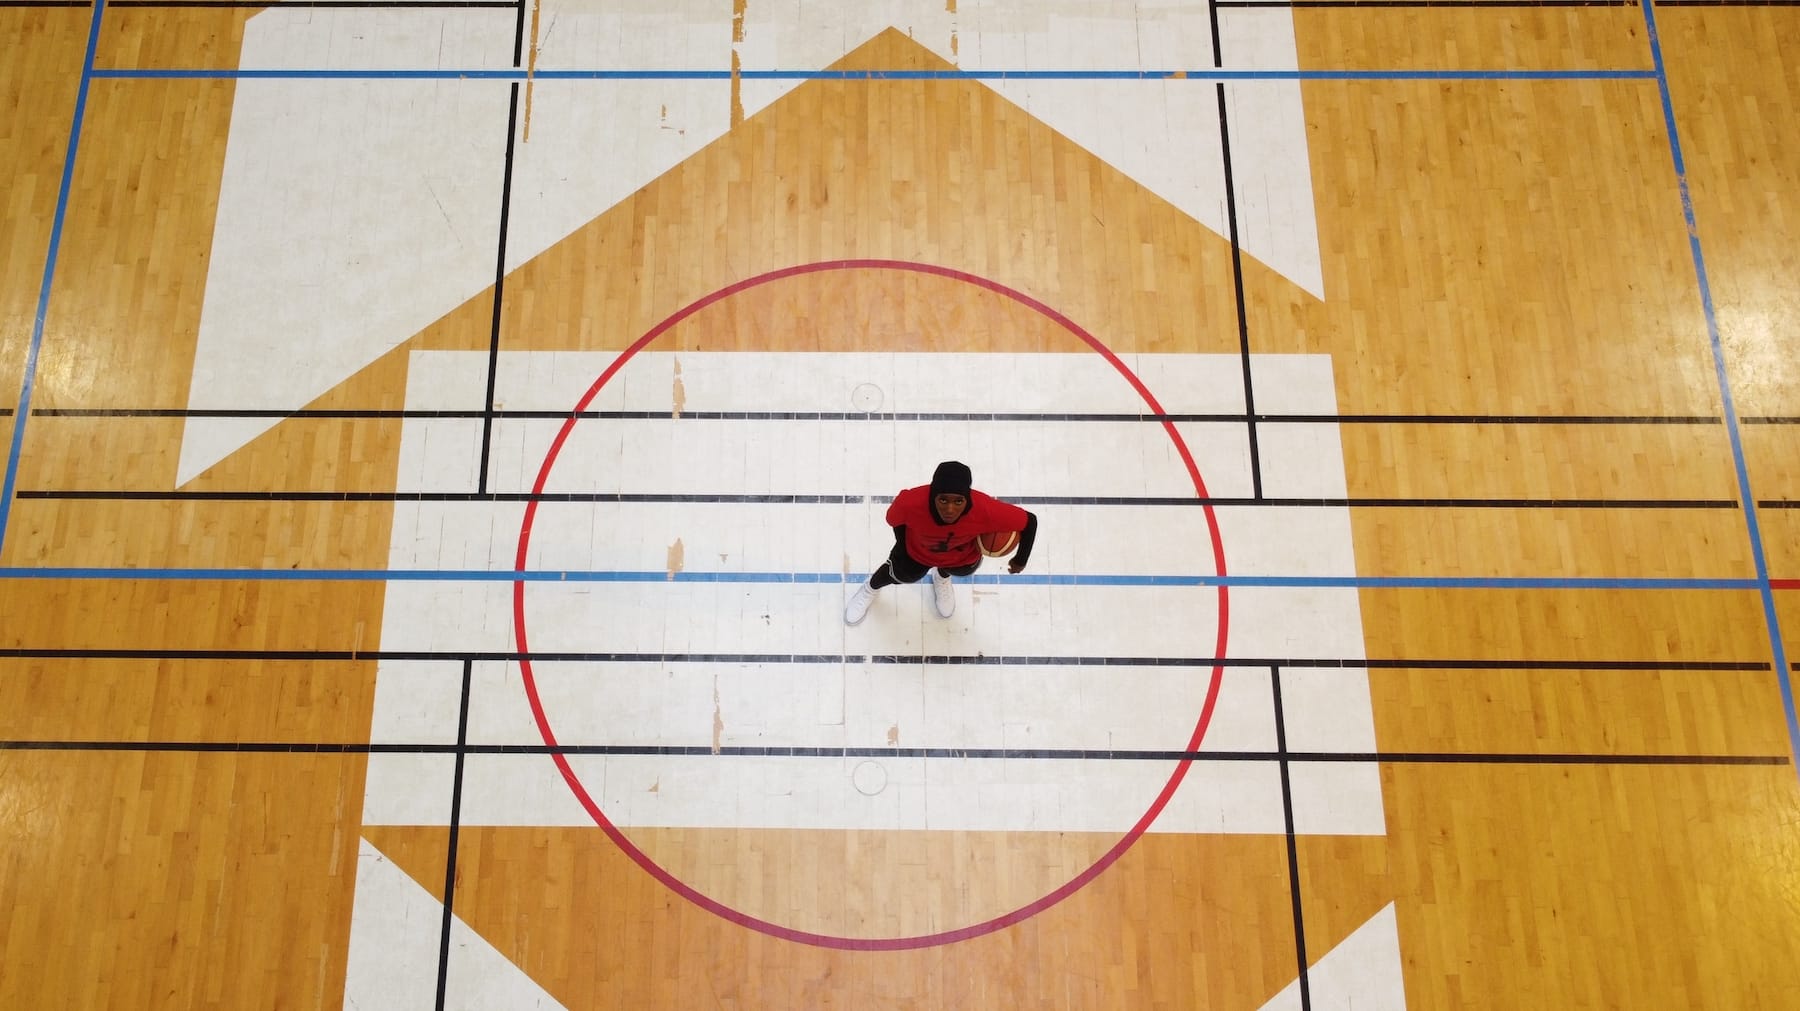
{"points": [[937, 529]]}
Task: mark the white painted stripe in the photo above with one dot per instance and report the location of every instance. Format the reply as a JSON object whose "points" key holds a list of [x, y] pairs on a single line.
{"points": [[764, 618], [561, 181], [1328, 709], [396, 931], [782, 619], [648, 127], [1275, 218], [1294, 384], [409, 789], [351, 214], [915, 794], [960, 383], [685, 34], [865, 705], [1300, 461], [1364, 971], [439, 454], [693, 455], [416, 702], [853, 537], [774, 456], [480, 978], [410, 37], [856, 703], [1337, 798]]}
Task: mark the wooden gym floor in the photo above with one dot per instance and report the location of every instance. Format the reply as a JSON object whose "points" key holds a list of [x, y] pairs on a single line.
{"points": [[249, 691]]}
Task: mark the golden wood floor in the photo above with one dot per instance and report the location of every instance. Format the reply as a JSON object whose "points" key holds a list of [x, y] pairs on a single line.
{"points": [[1590, 792]]}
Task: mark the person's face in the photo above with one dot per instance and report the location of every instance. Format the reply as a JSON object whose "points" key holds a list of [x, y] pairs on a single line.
{"points": [[950, 507]]}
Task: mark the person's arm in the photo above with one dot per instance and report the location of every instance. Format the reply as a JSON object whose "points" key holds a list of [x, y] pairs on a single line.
{"points": [[1027, 538], [896, 518]]}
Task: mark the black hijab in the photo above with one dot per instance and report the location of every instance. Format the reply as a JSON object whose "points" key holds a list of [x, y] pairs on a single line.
{"points": [[950, 478]]}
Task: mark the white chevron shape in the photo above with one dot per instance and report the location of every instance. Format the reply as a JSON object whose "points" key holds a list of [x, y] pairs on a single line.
{"points": [[1363, 973], [396, 929], [353, 213]]}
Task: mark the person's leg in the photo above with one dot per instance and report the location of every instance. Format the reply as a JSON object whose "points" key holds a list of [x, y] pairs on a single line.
{"points": [[899, 568], [942, 594]]}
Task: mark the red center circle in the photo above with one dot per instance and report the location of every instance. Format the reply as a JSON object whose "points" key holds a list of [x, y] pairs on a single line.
{"points": [[739, 917]]}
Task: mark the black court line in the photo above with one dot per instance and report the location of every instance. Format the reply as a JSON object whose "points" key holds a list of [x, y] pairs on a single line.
{"points": [[1360, 502], [456, 789], [487, 429], [1293, 850], [1237, 256], [518, 47], [493, 361], [1347, 663], [462, 749]]}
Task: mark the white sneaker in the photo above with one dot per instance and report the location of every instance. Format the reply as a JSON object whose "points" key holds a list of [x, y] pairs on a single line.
{"points": [[946, 597], [858, 607]]}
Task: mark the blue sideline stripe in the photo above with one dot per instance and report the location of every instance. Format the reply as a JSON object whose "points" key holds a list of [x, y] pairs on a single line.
{"points": [[1719, 371], [43, 305], [1026, 579], [1204, 75]]}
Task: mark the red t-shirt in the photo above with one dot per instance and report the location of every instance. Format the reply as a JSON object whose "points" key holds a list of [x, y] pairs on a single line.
{"points": [[933, 543]]}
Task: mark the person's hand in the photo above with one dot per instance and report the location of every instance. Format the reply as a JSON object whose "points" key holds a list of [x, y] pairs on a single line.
{"points": [[1016, 567]]}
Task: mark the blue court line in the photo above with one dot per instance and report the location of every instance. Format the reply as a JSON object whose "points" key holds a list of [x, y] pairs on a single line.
{"points": [[1203, 75], [1724, 380], [29, 382], [1026, 579]]}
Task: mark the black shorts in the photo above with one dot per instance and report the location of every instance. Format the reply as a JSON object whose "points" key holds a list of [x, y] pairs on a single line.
{"points": [[907, 569]]}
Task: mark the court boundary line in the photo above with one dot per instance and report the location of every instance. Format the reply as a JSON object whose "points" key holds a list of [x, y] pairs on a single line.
{"points": [[1223, 417], [28, 381], [1722, 377], [845, 579], [1201, 75]]}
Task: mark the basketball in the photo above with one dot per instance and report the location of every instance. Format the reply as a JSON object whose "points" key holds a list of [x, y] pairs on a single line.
{"points": [[996, 545]]}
